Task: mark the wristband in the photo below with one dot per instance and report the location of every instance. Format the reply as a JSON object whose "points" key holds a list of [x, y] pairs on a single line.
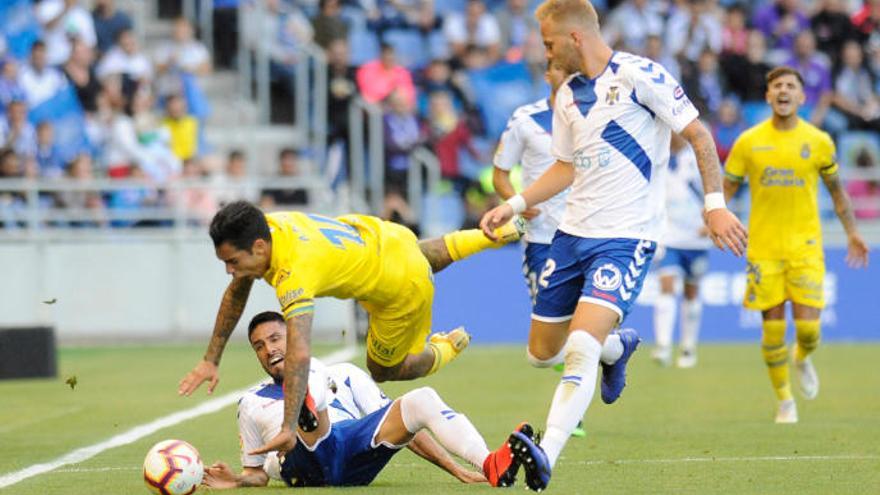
{"points": [[714, 201], [518, 203]]}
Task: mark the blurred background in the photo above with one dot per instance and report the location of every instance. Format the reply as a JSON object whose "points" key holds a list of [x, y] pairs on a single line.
{"points": [[125, 124]]}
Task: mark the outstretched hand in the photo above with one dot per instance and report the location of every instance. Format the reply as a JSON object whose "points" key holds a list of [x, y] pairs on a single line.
{"points": [[726, 230], [856, 252], [284, 441], [495, 218], [204, 371]]}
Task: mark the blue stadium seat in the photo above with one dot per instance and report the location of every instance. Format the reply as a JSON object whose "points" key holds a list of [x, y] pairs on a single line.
{"points": [[851, 143], [754, 112], [499, 90], [19, 25], [410, 47], [364, 46]]}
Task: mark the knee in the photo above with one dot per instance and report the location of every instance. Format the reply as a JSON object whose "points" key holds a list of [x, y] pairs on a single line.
{"points": [[541, 358], [380, 373]]}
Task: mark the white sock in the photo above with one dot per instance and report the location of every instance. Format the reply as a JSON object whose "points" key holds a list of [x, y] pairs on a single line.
{"points": [[664, 319], [545, 363], [423, 408], [612, 349], [318, 384], [691, 312], [574, 392]]}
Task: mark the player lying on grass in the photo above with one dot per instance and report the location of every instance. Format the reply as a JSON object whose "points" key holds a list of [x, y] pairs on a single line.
{"points": [[380, 264], [349, 430]]}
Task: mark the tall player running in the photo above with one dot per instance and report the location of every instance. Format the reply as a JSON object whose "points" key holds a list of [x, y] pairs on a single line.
{"points": [[380, 264], [526, 141], [782, 159], [687, 256], [612, 122]]}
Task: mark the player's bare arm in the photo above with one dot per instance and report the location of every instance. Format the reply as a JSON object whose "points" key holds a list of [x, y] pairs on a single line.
{"points": [[424, 446], [220, 476], [504, 188], [857, 248], [296, 377], [556, 179], [731, 186], [231, 307], [724, 228]]}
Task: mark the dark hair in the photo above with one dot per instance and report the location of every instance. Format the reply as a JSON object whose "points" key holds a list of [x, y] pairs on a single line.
{"points": [[264, 317], [38, 44], [784, 70], [235, 155], [285, 152], [239, 223]]}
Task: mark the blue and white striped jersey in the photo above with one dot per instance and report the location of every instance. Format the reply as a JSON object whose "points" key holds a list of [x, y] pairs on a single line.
{"points": [[526, 141], [615, 130]]}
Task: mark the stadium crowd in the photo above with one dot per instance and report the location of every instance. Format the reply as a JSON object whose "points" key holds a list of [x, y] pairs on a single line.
{"points": [[80, 97]]}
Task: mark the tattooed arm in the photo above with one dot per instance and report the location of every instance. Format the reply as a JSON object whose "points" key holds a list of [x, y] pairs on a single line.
{"points": [[296, 377], [857, 249], [724, 227], [231, 307]]}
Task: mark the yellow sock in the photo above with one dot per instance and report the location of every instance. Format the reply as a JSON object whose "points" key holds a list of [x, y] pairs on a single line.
{"points": [[446, 347], [464, 243], [776, 356], [808, 336]]}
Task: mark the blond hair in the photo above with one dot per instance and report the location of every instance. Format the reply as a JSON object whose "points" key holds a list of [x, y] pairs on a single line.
{"points": [[579, 12]]}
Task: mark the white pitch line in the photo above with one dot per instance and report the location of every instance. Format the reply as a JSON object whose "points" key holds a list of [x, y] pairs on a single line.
{"points": [[138, 432]]}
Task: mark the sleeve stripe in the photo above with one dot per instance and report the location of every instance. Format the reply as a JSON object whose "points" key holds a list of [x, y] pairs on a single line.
{"points": [[298, 311], [829, 166], [733, 177], [298, 301]]}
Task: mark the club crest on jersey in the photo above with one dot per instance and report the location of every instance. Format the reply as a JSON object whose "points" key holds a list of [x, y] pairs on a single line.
{"points": [[678, 93], [805, 151], [607, 277], [612, 96]]}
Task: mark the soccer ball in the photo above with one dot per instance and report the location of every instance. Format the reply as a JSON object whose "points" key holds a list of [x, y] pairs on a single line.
{"points": [[173, 467]]}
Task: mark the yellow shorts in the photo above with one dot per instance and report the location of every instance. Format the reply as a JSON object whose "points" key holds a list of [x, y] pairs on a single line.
{"points": [[402, 327], [770, 283]]}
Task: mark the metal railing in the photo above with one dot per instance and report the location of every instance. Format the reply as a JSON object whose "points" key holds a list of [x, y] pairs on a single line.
{"points": [[366, 148], [29, 217], [422, 160]]}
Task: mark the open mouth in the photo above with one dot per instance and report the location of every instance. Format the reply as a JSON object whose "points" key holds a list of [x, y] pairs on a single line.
{"points": [[276, 359]]}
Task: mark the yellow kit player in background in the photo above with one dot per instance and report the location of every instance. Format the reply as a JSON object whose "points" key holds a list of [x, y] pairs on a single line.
{"points": [[380, 264], [782, 159]]}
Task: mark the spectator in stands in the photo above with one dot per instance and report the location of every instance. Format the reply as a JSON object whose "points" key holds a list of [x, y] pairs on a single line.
{"points": [[379, 78], [286, 31], [448, 135], [48, 157], [655, 51], [80, 72], [155, 159], [745, 74], [854, 90], [865, 193], [328, 24], [16, 132], [89, 203], [867, 19], [832, 27], [134, 198], [706, 85], [728, 127], [341, 89], [515, 20], [692, 28], [233, 185], [285, 197], [39, 80], [475, 27], [402, 135], [383, 15], [109, 22], [735, 34], [127, 60], [780, 21], [10, 89], [62, 21], [816, 74], [200, 203], [11, 202], [439, 76], [630, 24], [182, 127], [182, 54]]}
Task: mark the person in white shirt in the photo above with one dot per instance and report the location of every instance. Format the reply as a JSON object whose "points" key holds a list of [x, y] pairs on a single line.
{"points": [[349, 430], [61, 21], [39, 80], [612, 122], [686, 256], [476, 27], [126, 59]]}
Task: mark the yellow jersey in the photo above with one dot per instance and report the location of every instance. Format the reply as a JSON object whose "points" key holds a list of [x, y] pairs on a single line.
{"points": [[317, 256], [783, 167]]}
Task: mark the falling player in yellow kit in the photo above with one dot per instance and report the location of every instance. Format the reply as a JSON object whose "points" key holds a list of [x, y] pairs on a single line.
{"points": [[782, 158], [380, 264]]}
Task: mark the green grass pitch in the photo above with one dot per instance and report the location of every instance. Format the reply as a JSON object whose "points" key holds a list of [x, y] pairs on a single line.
{"points": [[700, 431]]}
